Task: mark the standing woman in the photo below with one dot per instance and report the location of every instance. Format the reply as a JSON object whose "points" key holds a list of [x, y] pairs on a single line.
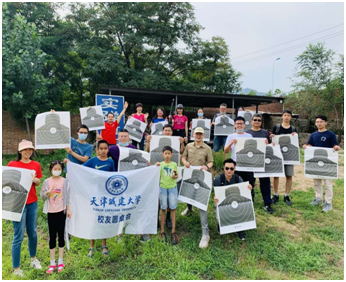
{"points": [[200, 115], [143, 118], [29, 217], [159, 117], [179, 123]]}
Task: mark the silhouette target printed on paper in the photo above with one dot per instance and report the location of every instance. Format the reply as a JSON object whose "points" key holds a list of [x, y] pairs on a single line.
{"points": [[156, 154], [134, 129], [201, 123], [224, 127], [288, 150], [93, 119], [134, 161], [157, 129], [195, 188], [250, 156], [321, 165], [235, 208], [248, 118], [272, 163], [52, 132], [13, 194]]}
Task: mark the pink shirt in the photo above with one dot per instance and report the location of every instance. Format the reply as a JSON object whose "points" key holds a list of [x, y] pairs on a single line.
{"points": [[55, 198], [179, 121]]}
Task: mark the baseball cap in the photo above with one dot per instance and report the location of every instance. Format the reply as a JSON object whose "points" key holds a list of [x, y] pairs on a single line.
{"points": [[180, 106], [199, 130]]}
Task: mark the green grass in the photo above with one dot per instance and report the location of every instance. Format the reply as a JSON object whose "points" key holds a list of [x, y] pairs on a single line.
{"points": [[298, 242]]}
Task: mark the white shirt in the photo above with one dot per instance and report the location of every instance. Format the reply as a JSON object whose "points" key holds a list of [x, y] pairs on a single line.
{"points": [[236, 136]]}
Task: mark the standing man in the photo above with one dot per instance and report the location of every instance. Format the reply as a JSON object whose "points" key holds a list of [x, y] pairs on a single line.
{"points": [[279, 129], [327, 139], [239, 124], [219, 141], [109, 133], [257, 132], [198, 153]]}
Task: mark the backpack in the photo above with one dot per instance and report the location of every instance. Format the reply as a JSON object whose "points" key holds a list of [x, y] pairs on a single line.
{"points": [[277, 128]]}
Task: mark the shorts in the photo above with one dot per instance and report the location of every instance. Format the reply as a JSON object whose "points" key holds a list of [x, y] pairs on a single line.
{"points": [[169, 197], [289, 170]]}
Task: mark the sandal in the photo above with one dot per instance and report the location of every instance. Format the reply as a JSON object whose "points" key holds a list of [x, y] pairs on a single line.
{"points": [[92, 252], [163, 237], [61, 267], [51, 269], [105, 253]]}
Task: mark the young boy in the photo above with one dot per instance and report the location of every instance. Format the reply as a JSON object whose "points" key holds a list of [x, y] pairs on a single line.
{"points": [[168, 191], [323, 138], [101, 162]]}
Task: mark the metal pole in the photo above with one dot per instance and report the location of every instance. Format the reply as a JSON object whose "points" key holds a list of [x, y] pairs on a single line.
{"points": [[256, 108], [176, 103], [273, 79], [283, 105], [233, 108]]}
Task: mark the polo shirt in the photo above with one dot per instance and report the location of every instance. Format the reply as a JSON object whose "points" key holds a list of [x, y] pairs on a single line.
{"points": [[198, 155]]}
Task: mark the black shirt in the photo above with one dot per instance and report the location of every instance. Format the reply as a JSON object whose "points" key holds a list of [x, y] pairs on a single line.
{"points": [[259, 134], [283, 130]]}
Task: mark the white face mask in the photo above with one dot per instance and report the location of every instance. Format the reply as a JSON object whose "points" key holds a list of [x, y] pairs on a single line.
{"points": [[56, 172]]}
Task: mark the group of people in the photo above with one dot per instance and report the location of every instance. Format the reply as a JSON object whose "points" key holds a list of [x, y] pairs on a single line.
{"points": [[55, 190]]}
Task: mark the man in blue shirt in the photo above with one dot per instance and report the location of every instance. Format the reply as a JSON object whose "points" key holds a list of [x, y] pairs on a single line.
{"points": [[327, 139]]}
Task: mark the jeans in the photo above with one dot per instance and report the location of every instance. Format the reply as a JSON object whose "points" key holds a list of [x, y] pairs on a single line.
{"points": [[28, 221], [141, 144], [168, 198], [219, 141], [265, 190], [204, 222]]}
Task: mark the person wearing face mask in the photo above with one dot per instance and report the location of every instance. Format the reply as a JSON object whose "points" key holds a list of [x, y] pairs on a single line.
{"points": [[80, 150], [56, 193], [239, 124], [220, 141], [123, 141], [200, 115]]}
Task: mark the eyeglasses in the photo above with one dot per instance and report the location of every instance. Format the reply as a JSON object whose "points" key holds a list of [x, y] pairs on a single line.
{"points": [[259, 120], [229, 168]]}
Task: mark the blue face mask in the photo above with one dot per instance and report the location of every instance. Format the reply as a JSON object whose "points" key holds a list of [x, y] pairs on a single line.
{"points": [[240, 131], [200, 114], [82, 136], [124, 144]]}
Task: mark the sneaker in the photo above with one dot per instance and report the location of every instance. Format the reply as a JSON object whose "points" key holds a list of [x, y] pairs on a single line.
{"points": [[169, 223], [204, 241], [144, 238], [163, 237], [35, 263], [268, 208], [275, 199], [316, 202], [174, 239], [51, 269], [287, 200], [61, 267], [185, 212], [327, 207], [241, 235], [18, 272]]}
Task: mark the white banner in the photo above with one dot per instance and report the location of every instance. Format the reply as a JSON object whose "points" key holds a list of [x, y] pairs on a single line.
{"points": [[250, 153], [273, 163], [196, 187], [92, 117], [16, 184], [103, 203], [52, 130], [321, 163], [205, 124], [234, 209], [289, 145]]}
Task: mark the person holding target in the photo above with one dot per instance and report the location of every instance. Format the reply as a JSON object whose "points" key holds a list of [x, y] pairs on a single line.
{"points": [[29, 217], [228, 177], [327, 139], [143, 118]]}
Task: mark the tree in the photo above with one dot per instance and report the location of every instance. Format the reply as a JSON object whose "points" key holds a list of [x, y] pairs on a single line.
{"points": [[318, 84], [24, 86], [269, 94], [252, 93]]}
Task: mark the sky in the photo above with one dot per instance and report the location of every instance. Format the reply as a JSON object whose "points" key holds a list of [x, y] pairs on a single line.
{"points": [[251, 27]]}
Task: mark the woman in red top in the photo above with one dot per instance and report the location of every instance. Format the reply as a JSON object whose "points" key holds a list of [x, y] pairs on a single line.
{"points": [[109, 133], [143, 118], [29, 217], [179, 123]]}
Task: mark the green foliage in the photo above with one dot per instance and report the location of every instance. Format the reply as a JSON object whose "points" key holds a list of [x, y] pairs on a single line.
{"points": [[269, 94], [252, 93]]}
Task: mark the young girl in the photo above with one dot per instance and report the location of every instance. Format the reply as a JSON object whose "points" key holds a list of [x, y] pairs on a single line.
{"points": [[56, 193]]}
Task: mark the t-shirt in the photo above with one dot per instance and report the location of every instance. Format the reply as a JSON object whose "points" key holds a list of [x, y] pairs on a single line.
{"points": [[179, 121], [283, 130], [325, 139], [96, 163], [219, 114], [114, 153], [56, 203], [156, 120], [32, 197], [259, 134], [166, 173], [80, 149], [236, 136], [139, 117], [109, 132]]}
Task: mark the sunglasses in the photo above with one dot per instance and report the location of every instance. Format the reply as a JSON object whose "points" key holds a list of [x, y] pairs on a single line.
{"points": [[229, 168], [259, 120]]}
